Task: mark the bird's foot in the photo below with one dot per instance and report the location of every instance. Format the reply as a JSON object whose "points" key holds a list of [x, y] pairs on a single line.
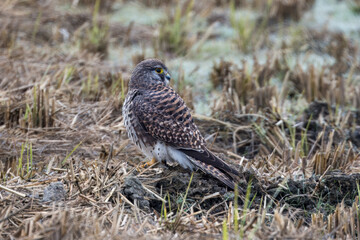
{"points": [[148, 164]]}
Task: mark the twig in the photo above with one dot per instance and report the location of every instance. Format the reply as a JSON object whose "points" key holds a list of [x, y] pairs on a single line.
{"points": [[12, 191], [106, 166], [109, 157], [202, 117], [157, 196], [14, 213], [252, 115], [320, 179], [91, 201], [127, 200]]}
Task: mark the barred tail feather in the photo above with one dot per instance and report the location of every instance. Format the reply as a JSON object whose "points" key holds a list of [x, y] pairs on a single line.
{"points": [[216, 173], [209, 158], [212, 165]]}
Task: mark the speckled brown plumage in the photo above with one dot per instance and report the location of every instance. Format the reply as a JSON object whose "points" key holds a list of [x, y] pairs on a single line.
{"points": [[160, 124]]}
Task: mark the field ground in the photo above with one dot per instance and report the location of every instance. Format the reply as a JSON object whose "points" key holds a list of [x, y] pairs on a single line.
{"points": [[275, 89]]}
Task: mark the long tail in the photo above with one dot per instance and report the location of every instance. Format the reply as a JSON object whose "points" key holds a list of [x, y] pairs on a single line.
{"points": [[212, 165], [216, 173]]}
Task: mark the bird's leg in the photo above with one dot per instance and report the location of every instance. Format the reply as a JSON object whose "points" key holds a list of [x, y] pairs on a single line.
{"points": [[150, 163]]}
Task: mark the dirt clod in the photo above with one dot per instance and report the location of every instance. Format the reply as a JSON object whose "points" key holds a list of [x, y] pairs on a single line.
{"points": [[54, 192], [134, 191]]}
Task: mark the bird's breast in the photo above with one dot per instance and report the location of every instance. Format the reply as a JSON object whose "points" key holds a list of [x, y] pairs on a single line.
{"points": [[136, 133]]}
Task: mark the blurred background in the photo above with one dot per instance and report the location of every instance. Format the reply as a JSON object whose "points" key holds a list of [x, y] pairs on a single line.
{"points": [[201, 42]]}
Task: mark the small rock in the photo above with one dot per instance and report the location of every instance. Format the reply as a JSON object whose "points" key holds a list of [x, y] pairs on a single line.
{"points": [[315, 109], [134, 190], [54, 192]]}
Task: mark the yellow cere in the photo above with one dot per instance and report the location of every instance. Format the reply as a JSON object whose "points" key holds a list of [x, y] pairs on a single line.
{"points": [[159, 70]]}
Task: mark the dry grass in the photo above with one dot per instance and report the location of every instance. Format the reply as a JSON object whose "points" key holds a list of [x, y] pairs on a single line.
{"points": [[293, 131]]}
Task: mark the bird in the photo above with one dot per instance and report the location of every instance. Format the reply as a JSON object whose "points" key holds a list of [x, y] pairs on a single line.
{"points": [[158, 121]]}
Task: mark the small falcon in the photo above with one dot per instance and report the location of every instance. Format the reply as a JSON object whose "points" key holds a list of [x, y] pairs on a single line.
{"points": [[160, 124]]}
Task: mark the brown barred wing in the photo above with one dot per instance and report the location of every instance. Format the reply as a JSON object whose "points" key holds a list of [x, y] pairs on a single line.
{"points": [[164, 115]]}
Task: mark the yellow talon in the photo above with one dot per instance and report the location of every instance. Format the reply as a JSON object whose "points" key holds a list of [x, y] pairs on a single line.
{"points": [[148, 164]]}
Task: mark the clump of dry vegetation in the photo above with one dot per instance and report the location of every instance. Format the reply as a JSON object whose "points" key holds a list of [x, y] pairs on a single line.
{"points": [[68, 170], [283, 9], [95, 37], [174, 31], [245, 88], [253, 30], [178, 32]]}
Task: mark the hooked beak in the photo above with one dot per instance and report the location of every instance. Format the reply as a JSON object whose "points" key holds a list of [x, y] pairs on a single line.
{"points": [[168, 77]]}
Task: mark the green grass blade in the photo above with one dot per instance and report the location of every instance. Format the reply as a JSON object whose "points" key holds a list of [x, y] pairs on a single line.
{"points": [[19, 167], [67, 156], [225, 233], [236, 206]]}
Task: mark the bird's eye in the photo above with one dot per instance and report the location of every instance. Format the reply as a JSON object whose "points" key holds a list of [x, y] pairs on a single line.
{"points": [[159, 70]]}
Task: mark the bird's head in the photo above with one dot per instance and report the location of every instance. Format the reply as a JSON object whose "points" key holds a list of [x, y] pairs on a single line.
{"points": [[149, 72]]}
